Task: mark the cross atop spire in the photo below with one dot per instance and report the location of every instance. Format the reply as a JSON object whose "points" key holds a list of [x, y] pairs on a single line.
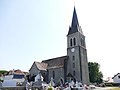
{"points": [[75, 24]]}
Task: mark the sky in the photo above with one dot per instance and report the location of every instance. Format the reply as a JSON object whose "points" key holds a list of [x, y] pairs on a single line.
{"points": [[35, 30]]}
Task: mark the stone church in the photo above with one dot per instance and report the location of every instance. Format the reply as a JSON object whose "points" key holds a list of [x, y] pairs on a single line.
{"points": [[73, 66]]}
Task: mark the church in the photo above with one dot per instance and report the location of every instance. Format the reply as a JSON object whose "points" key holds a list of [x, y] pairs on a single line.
{"points": [[73, 66]]}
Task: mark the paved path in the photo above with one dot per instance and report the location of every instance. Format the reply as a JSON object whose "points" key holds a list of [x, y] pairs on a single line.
{"points": [[104, 88], [96, 88]]}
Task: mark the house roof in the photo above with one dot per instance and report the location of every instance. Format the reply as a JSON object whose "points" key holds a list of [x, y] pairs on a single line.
{"points": [[55, 62], [18, 71], [41, 65], [115, 75]]}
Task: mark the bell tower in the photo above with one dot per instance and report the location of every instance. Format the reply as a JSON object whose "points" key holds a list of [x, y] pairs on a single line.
{"points": [[77, 65]]}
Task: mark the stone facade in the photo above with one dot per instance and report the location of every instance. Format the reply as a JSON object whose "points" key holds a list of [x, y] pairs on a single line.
{"points": [[73, 66], [33, 71], [56, 68], [77, 53]]}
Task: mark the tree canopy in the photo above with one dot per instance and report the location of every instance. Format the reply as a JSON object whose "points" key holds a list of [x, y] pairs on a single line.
{"points": [[3, 71], [95, 74]]}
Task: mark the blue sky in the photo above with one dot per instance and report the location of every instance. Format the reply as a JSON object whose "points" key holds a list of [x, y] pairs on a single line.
{"points": [[36, 30]]}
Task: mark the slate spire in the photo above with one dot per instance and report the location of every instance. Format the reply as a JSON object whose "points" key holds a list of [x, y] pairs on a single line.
{"points": [[74, 19], [75, 24]]}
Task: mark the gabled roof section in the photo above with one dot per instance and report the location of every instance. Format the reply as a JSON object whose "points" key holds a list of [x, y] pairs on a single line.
{"points": [[75, 24], [115, 75], [41, 65]]}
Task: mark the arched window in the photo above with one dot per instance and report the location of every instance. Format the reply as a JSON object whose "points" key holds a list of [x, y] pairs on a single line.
{"points": [[74, 41], [53, 74], [73, 65], [74, 73], [71, 42], [73, 57], [82, 42]]}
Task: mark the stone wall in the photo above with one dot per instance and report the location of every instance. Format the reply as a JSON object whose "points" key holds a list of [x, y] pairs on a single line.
{"points": [[19, 88], [59, 74], [33, 71]]}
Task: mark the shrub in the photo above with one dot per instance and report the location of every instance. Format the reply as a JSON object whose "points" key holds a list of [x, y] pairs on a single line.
{"points": [[50, 88]]}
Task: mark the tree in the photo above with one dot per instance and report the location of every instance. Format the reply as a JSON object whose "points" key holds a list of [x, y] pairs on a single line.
{"points": [[3, 72], [95, 74]]}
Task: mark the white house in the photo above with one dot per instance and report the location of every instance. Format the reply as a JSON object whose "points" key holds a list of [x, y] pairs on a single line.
{"points": [[13, 80], [116, 78]]}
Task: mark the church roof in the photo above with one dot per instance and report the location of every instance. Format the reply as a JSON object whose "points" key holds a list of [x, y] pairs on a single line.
{"points": [[50, 63], [75, 24], [41, 65], [56, 62]]}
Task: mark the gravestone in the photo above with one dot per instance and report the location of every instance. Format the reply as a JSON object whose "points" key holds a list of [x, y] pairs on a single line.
{"points": [[0, 84]]}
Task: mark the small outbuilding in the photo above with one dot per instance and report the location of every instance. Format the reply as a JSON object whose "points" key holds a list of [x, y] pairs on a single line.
{"points": [[116, 78]]}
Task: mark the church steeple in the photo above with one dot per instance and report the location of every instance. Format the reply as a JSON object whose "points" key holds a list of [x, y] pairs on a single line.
{"points": [[77, 64], [75, 24], [74, 19]]}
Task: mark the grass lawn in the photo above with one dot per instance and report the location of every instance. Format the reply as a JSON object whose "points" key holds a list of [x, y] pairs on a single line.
{"points": [[115, 89]]}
